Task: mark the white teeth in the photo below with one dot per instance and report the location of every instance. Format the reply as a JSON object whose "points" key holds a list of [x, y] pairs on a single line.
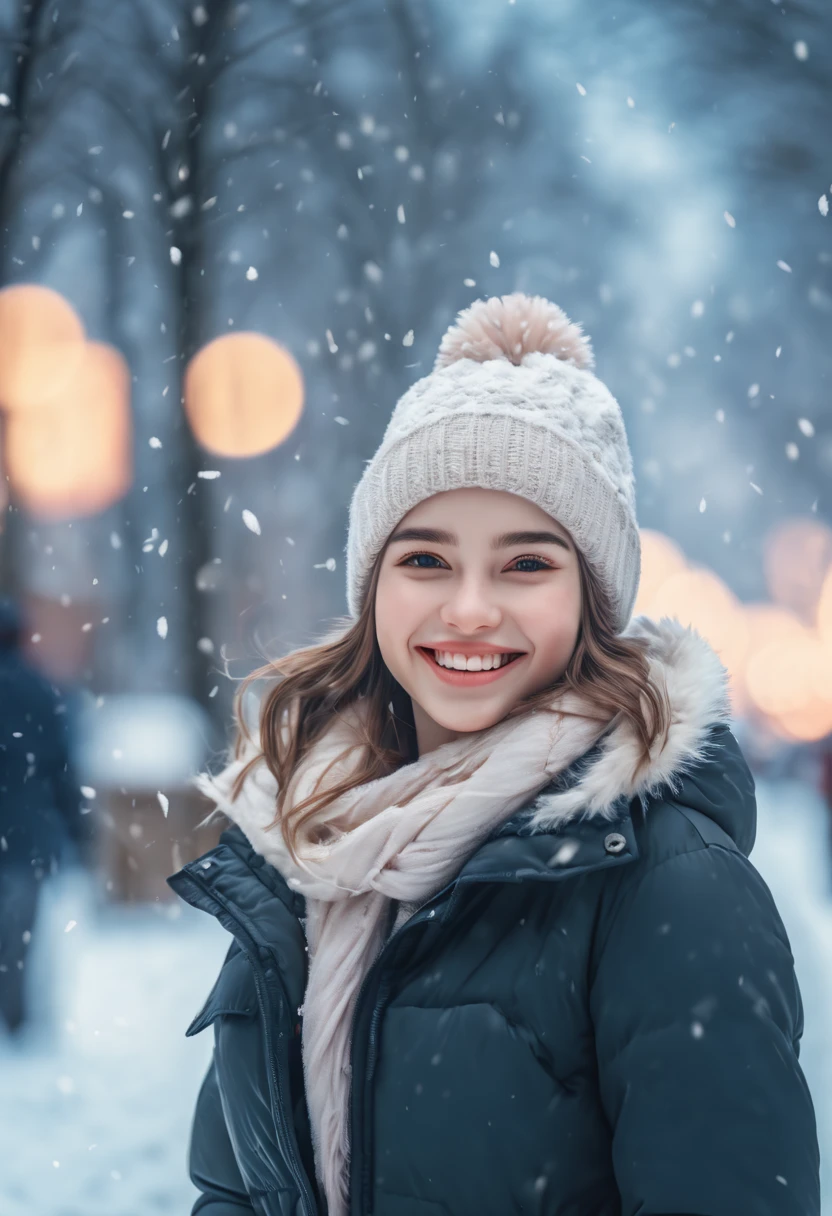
{"points": [[474, 662]]}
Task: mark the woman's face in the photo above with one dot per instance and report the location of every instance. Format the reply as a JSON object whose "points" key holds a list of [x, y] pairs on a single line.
{"points": [[478, 575]]}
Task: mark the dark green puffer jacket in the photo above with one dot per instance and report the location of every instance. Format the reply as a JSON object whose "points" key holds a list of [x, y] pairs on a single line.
{"points": [[600, 1020]]}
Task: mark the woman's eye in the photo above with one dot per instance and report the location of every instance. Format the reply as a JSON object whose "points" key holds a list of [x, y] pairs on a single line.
{"points": [[536, 562], [524, 565], [412, 558]]}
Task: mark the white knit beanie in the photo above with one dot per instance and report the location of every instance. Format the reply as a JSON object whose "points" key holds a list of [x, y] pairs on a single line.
{"points": [[511, 404]]}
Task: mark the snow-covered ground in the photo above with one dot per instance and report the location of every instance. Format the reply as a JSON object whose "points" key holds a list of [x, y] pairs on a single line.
{"points": [[793, 855], [94, 1117], [95, 1114]]}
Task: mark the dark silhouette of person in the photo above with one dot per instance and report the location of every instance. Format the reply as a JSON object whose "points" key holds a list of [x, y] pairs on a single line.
{"points": [[41, 820]]}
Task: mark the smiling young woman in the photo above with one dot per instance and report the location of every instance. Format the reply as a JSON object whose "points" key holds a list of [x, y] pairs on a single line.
{"points": [[497, 945]]}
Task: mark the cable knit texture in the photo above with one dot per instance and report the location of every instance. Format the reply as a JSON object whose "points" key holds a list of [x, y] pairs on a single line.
{"points": [[498, 415]]}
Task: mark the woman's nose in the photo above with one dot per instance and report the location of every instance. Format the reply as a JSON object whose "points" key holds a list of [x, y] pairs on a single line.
{"points": [[471, 606]]}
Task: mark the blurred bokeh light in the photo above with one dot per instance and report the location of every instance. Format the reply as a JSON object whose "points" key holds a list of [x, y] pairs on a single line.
{"points": [[41, 346], [72, 456], [243, 395], [796, 558]]}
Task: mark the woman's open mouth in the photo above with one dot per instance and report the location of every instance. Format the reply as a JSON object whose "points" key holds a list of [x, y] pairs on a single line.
{"points": [[477, 669]]}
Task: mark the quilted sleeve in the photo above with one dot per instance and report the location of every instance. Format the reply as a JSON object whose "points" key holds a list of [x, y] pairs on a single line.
{"points": [[211, 1161], [698, 1017]]}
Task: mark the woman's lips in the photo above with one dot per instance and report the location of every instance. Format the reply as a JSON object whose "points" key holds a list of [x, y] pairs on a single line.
{"points": [[466, 679]]}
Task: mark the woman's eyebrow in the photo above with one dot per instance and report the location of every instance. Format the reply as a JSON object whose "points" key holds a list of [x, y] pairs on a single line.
{"points": [[438, 536]]}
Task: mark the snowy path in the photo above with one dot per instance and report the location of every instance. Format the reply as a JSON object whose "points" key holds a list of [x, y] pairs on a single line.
{"points": [[94, 1121], [793, 855]]}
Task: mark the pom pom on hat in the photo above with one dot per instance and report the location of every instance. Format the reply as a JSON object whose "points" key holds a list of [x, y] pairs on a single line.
{"points": [[509, 327]]}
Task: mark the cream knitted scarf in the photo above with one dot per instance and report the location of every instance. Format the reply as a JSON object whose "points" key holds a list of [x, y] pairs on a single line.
{"points": [[406, 835]]}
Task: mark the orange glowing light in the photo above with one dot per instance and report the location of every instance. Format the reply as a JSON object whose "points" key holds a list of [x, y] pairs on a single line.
{"points": [[780, 674], [797, 556], [699, 598], [806, 725], [823, 619], [41, 346], [788, 674], [73, 456], [765, 624], [243, 395], [660, 558]]}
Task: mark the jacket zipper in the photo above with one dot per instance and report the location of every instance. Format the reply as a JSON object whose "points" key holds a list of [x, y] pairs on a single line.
{"points": [[421, 914], [277, 1074], [279, 1077], [372, 1042]]}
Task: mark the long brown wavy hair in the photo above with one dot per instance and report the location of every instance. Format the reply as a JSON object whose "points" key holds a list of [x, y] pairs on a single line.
{"points": [[311, 684]]}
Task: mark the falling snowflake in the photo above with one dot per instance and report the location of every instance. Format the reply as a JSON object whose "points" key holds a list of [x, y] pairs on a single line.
{"points": [[175, 255], [784, 266], [581, 90], [164, 803], [251, 273], [208, 474], [400, 213], [251, 522], [494, 259], [70, 925], [565, 853], [163, 548], [162, 626], [729, 219], [153, 442], [407, 340], [88, 791], [823, 205], [806, 427], [801, 50]]}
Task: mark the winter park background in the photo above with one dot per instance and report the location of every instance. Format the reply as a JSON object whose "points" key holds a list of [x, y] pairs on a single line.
{"points": [[232, 233]]}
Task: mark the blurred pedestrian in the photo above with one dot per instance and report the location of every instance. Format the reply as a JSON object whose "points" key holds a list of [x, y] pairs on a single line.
{"points": [[41, 820]]}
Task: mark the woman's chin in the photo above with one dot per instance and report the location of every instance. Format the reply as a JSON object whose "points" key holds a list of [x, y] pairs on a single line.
{"points": [[466, 720]]}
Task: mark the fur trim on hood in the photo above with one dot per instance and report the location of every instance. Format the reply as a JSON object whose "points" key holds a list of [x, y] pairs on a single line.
{"points": [[697, 688]]}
